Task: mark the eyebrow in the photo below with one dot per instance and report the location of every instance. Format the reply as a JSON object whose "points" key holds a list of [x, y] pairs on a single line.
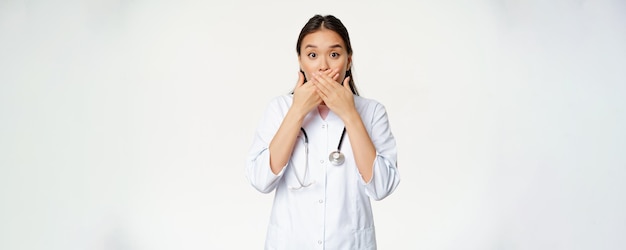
{"points": [[331, 46]]}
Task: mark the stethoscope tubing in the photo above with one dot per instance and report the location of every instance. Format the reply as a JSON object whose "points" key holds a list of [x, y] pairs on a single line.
{"points": [[336, 158], [343, 134]]}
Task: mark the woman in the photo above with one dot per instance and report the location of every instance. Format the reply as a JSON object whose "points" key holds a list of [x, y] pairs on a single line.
{"points": [[325, 150]]}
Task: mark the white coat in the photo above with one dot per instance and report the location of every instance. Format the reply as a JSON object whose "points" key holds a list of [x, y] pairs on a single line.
{"points": [[335, 211]]}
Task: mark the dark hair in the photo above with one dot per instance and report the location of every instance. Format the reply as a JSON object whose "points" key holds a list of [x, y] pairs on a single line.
{"points": [[332, 23]]}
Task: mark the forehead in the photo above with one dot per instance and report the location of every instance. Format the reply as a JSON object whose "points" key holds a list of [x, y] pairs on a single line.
{"points": [[322, 38]]}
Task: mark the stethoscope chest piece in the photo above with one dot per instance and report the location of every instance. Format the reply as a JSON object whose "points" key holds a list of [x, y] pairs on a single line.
{"points": [[336, 158]]}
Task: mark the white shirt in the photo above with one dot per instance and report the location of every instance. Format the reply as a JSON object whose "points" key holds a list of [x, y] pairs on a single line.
{"points": [[335, 211]]}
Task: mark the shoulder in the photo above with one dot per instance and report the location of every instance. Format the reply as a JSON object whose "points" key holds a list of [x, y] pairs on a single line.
{"points": [[371, 111], [280, 103], [363, 103], [281, 100]]}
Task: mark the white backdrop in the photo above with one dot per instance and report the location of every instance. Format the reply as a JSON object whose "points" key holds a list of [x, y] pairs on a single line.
{"points": [[125, 124]]}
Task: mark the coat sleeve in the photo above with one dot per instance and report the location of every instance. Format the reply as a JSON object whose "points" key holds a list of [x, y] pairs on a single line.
{"points": [[385, 178], [258, 170]]}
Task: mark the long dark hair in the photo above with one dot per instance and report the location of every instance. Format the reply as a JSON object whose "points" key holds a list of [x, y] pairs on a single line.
{"points": [[332, 23]]}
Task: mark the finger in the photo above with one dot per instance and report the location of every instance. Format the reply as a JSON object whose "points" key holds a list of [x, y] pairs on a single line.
{"points": [[333, 73], [320, 92], [320, 82], [325, 76], [328, 72], [346, 83], [322, 88], [324, 80], [300, 79]]}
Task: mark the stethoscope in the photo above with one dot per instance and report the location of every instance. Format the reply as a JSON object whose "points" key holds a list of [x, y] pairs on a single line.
{"points": [[336, 158]]}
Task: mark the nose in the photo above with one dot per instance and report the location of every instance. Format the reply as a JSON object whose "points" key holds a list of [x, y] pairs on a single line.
{"points": [[323, 66]]}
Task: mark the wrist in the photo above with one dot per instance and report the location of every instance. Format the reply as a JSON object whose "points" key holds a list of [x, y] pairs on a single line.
{"points": [[352, 118], [296, 113]]}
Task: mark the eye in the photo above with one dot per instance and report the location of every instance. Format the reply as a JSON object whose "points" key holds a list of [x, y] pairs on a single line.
{"points": [[334, 54], [312, 55]]}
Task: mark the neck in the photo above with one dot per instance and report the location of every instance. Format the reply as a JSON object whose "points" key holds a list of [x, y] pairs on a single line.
{"points": [[323, 110]]}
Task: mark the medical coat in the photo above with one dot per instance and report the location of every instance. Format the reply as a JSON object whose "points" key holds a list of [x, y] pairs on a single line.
{"points": [[335, 211]]}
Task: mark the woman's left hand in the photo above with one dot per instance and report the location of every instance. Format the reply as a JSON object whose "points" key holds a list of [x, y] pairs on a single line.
{"points": [[338, 98]]}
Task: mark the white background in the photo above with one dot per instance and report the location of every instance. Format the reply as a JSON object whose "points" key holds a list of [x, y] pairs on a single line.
{"points": [[126, 124]]}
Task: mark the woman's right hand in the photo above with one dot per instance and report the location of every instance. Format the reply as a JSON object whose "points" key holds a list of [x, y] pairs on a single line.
{"points": [[305, 96]]}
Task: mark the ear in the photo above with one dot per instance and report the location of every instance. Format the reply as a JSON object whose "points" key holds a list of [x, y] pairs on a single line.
{"points": [[349, 66]]}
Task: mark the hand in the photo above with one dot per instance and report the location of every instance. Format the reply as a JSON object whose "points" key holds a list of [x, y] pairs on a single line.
{"points": [[338, 98], [305, 96]]}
